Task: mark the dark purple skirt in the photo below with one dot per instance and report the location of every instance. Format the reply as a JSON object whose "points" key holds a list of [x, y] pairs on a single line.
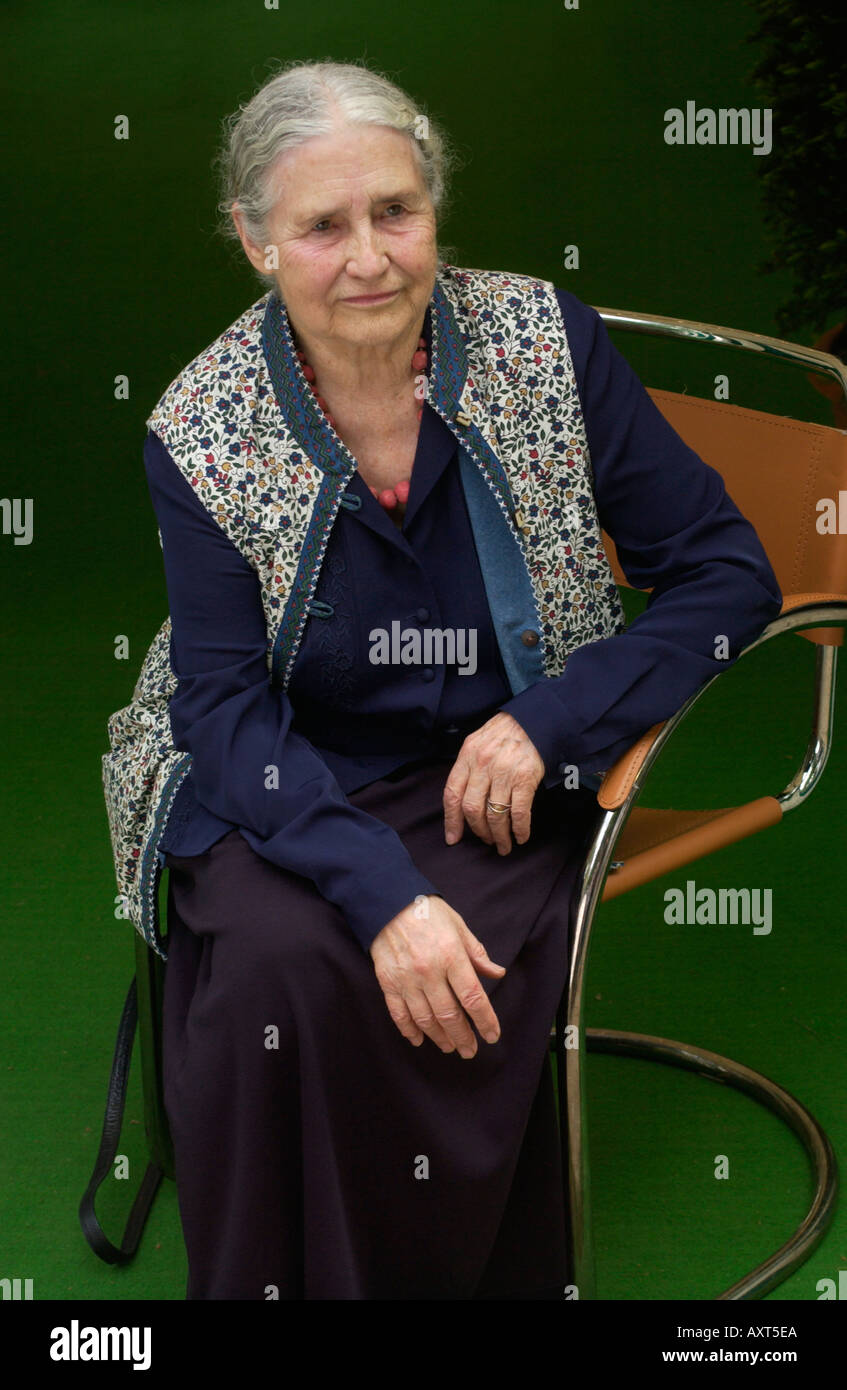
{"points": [[346, 1163]]}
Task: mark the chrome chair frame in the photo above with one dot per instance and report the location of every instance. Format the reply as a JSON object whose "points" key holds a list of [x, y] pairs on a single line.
{"points": [[569, 1019]]}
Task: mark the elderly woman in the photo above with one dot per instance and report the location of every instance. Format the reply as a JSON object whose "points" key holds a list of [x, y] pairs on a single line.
{"points": [[365, 741]]}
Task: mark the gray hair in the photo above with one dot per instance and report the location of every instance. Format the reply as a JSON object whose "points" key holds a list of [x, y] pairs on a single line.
{"points": [[303, 100]]}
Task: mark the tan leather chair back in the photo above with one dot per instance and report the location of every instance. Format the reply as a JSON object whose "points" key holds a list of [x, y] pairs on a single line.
{"points": [[776, 470]]}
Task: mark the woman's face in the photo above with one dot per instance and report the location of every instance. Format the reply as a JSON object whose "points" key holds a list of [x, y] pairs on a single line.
{"points": [[355, 236]]}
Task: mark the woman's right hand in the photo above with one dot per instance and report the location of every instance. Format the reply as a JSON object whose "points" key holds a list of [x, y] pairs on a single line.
{"points": [[426, 963]]}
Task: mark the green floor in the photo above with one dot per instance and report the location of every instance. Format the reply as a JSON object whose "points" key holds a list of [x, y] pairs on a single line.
{"points": [[114, 269]]}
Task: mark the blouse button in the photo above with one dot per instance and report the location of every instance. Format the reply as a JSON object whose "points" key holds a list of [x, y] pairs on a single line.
{"points": [[428, 673], [422, 614], [529, 638]]}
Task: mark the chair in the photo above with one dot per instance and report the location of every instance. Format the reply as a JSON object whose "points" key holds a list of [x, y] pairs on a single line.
{"points": [[805, 461], [774, 467]]}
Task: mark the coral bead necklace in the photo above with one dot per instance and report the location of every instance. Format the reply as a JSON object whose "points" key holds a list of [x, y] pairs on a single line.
{"points": [[390, 497]]}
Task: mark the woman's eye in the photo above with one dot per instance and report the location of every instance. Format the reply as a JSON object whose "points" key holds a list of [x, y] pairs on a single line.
{"points": [[393, 210]]}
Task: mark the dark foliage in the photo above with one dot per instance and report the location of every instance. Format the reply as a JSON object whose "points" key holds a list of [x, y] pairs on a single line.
{"points": [[802, 77]]}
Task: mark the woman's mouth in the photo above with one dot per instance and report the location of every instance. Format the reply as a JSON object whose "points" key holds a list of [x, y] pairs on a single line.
{"points": [[370, 298]]}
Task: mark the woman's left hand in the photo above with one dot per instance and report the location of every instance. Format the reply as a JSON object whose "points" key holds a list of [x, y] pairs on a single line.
{"points": [[497, 763]]}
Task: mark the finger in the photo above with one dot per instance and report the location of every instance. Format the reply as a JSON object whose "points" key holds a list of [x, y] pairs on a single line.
{"points": [[523, 794], [479, 957], [499, 825], [500, 822], [473, 802], [400, 1014], [454, 790], [424, 1016], [473, 1000], [450, 1014], [488, 967]]}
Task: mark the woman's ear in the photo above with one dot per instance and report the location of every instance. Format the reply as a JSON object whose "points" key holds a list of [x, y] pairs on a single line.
{"points": [[256, 255]]}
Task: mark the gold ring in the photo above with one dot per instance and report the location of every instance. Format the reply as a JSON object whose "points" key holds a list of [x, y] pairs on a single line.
{"points": [[495, 809]]}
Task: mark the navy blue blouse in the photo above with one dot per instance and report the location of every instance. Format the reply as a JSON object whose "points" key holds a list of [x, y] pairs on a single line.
{"points": [[347, 720]]}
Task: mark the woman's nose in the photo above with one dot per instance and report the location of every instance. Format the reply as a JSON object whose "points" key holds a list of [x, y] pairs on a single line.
{"points": [[367, 255]]}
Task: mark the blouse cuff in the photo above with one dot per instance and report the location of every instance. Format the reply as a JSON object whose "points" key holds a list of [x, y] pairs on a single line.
{"points": [[539, 714], [368, 874], [367, 916], [539, 717]]}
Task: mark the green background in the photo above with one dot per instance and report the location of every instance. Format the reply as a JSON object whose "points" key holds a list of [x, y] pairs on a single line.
{"points": [[114, 267]]}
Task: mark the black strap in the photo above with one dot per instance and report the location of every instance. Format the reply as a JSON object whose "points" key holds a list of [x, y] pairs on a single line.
{"points": [[92, 1230]]}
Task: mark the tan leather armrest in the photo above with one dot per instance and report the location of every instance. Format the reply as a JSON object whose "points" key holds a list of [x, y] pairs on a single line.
{"points": [[821, 636], [791, 601], [617, 784]]}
